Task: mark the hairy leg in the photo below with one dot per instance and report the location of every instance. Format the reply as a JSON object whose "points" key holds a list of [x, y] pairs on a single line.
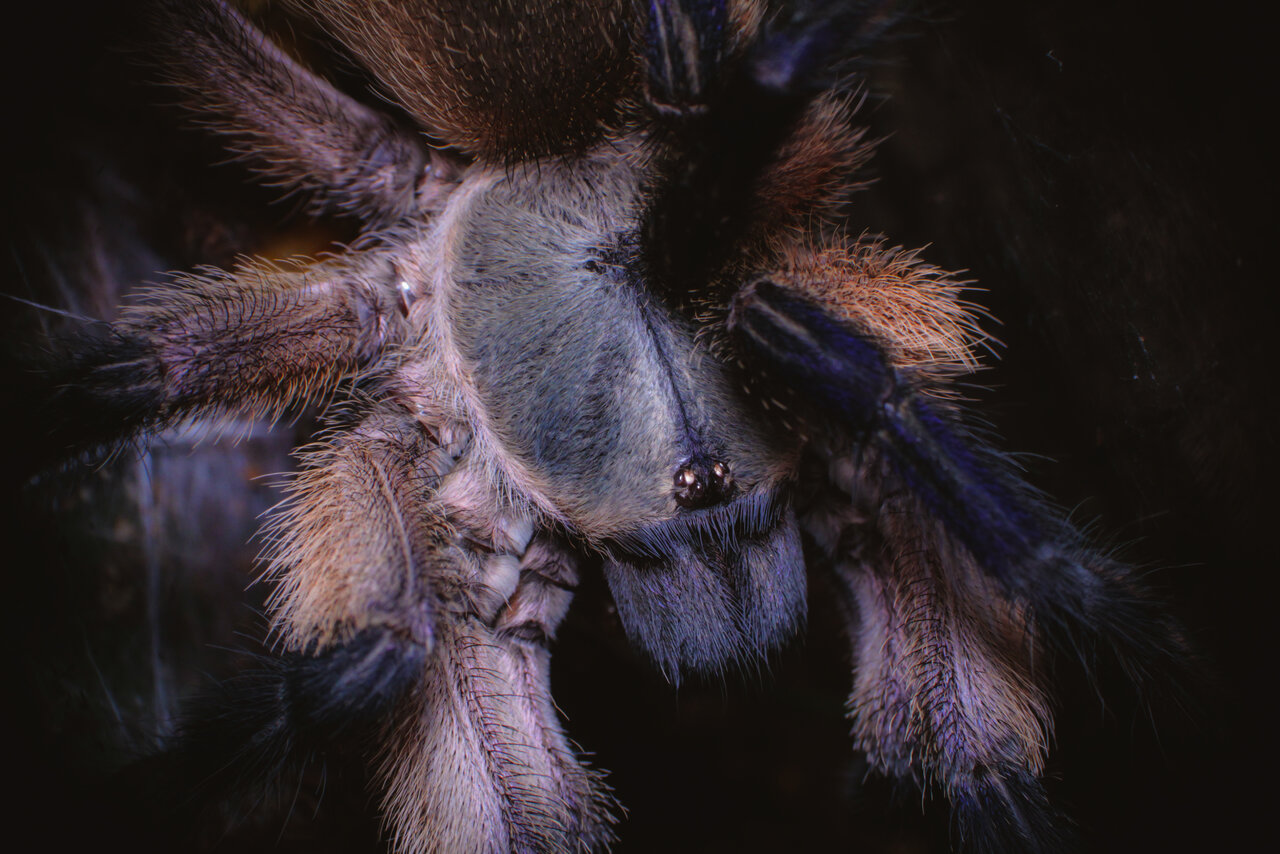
{"points": [[476, 759], [946, 692], [954, 568], [834, 378], [253, 342], [471, 752], [361, 533], [393, 526], [276, 713], [293, 126], [468, 742]]}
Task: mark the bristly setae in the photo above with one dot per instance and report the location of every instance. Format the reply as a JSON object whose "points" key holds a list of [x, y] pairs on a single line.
{"points": [[606, 310]]}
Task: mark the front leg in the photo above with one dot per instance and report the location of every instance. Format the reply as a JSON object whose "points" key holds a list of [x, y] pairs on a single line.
{"points": [[389, 528], [251, 343], [955, 570], [464, 739], [838, 380], [415, 622], [947, 669]]}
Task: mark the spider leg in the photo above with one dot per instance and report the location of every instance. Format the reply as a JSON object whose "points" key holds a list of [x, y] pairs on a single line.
{"points": [[253, 343], [474, 757], [472, 754], [830, 373], [356, 541], [384, 531], [945, 686], [293, 126], [248, 731], [477, 759], [953, 570]]}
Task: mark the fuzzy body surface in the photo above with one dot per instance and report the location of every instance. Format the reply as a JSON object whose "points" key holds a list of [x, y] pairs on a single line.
{"points": [[604, 313]]}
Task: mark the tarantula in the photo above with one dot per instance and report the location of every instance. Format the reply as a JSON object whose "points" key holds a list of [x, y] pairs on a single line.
{"points": [[605, 310]]}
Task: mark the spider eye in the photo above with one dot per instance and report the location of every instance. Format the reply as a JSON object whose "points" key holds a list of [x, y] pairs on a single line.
{"points": [[699, 484]]}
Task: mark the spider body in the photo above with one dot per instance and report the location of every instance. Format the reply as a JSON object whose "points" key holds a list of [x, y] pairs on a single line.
{"points": [[581, 334]]}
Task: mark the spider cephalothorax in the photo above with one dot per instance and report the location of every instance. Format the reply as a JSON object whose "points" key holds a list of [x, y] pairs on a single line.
{"points": [[610, 315]]}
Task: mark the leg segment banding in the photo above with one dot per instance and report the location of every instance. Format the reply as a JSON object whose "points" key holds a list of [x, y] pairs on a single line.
{"points": [[838, 381], [252, 343]]}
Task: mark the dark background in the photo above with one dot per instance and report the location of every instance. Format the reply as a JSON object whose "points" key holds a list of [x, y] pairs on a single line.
{"points": [[1101, 169]]}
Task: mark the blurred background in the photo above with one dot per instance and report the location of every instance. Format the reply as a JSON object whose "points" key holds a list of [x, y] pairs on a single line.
{"points": [[1100, 169]]}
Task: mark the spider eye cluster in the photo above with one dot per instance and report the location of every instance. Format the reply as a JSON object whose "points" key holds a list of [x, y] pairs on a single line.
{"points": [[699, 483]]}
